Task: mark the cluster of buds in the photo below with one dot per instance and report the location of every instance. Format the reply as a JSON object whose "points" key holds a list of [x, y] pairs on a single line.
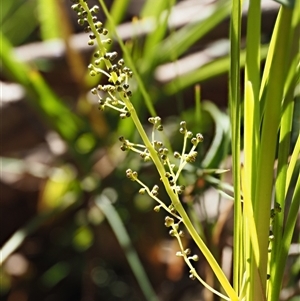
{"points": [[187, 253], [192, 155], [156, 121], [154, 190], [138, 148], [193, 274], [169, 222], [116, 95], [117, 74], [132, 175], [275, 210], [126, 145]]}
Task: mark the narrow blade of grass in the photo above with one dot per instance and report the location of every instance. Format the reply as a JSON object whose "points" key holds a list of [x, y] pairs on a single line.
{"points": [[235, 113], [285, 243], [212, 69], [181, 40], [123, 238]]}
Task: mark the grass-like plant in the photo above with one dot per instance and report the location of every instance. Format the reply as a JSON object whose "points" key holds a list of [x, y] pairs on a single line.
{"points": [[263, 224]]}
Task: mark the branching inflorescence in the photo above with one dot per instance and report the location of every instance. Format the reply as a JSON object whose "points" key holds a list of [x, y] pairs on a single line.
{"points": [[117, 74], [116, 95]]}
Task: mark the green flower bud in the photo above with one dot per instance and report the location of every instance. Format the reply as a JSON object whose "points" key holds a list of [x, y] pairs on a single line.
{"points": [[191, 157], [123, 147], [187, 251], [151, 120], [177, 155], [87, 29], [172, 233], [95, 9], [195, 257], [121, 62], [157, 208], [183, 124], [199, 137], [169, 221], [189, 134], [147, 158], [182, 130], [97, 54], [132, 175], [142, 191], [76, 7], [107, 41], [98, 24], [97, 62], [194, 141], [157, 119], [160, 128], [81, 22]]}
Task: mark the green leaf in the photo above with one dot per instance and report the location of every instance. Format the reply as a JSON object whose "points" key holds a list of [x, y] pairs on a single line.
{"points": [[113, 218], [55, 274], [287, 3], [48, 13], [12, 15], [181, 40], [68, 125], [219, 146], [207, 71]]}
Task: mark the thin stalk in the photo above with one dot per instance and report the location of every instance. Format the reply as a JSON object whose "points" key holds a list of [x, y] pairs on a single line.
{"points": [[252, 80], [235, 112], [197, 103], [292, 164], [173, 196], [178, 206], [251, 126]]}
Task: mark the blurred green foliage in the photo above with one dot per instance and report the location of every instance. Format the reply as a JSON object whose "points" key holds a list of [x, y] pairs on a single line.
{"points": [[68, 227]]}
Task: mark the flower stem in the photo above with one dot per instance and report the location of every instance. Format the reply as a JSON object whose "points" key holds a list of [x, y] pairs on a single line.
{"points": [[178, 206]]}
